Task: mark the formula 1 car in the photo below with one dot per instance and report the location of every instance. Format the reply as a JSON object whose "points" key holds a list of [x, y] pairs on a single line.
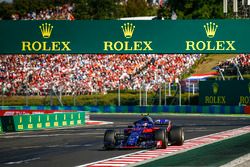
{"points": [[145, 133]]}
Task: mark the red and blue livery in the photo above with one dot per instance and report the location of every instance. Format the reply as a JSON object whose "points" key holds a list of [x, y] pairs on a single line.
{"points": [[145, 133]]}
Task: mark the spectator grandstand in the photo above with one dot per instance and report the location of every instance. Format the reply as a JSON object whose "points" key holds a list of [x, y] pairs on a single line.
{"points": [[58, 13], [89, 73], [241, 60]]}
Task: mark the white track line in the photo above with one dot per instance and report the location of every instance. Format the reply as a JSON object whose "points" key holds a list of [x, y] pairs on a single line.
{"points": [[92, 122], [22, 161], [122, 156], [142, 157]]}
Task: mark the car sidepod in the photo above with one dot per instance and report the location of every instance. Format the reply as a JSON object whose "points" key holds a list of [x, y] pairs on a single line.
{"points": [[133, 138]]}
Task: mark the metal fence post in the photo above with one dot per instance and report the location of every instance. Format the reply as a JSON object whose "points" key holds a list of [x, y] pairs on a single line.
{"points": [[51, 100], [160, 95], [169, 89], [165, 96], [189, 84], [26, 96], [193, 88], [119, 95], [146, 94], [179, 93], [60, 94], [140, 96], [2, 95], [74, 100]]}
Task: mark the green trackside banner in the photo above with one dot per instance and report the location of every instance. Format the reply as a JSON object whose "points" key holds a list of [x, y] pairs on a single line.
{"points": [[233, 92], [116, 36]]}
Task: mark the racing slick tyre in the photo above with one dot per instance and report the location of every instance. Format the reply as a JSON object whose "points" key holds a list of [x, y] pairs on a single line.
{"points": [[176, 136], [109, 139], [160, 135]]}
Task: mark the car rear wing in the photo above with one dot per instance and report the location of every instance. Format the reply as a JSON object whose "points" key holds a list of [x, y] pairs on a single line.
{"points": [[162, 122]]}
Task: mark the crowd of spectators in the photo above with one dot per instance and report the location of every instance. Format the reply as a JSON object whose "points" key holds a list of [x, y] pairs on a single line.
{"points": [[89, 73], [58, 13], [99, 73], [242, 61]]}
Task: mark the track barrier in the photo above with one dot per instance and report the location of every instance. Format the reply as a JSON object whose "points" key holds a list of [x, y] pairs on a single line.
{"points": [[247, 110], [24, 112], [41, 121], [212, 109]]}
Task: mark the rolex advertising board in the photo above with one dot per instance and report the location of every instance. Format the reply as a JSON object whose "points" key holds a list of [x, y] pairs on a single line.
{"points": [[233, 92], [130, 36]]}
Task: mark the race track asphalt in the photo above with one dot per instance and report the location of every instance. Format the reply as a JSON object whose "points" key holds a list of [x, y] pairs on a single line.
{"points": [[80, 145]]}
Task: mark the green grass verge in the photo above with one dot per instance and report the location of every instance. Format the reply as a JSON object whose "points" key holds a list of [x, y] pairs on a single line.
{"points": [[215, 154], [211, 61], [127, 98]]}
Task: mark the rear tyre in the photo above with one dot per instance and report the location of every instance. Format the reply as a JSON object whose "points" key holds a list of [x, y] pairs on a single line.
{"points": [[176, 136], [109, 139], [160, 135]]}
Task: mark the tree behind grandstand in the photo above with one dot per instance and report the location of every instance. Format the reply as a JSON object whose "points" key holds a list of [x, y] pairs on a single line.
{"points": [[113, 9]]}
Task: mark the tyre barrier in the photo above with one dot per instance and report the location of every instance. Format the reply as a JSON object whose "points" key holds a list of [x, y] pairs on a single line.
{"points": [[41, 121], [141, 109]]}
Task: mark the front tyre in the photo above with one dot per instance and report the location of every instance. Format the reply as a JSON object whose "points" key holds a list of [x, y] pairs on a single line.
{"points": [[176, 136], [160, 135], [109, 139]]}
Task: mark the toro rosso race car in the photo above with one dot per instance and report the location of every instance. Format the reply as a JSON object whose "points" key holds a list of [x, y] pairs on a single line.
{"points": [[145, 133]]}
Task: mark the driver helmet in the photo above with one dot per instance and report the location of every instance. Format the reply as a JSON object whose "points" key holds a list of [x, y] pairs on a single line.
{"points": [[145, 124]]}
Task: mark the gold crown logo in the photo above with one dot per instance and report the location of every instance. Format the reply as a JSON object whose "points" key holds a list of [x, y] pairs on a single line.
{"points": [[210, 29], [215, 88], [46, 30], [128, 30]]}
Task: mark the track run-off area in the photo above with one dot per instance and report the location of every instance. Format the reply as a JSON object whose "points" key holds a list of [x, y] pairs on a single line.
{"points": [[83, 146]]}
